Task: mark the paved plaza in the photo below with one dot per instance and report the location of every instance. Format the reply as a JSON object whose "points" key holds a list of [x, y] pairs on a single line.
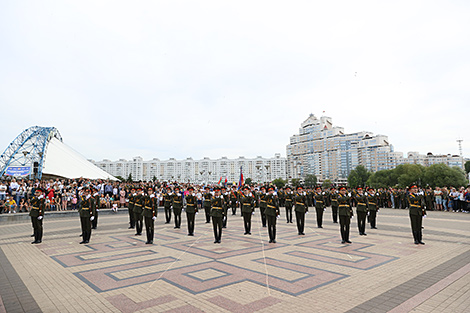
{"points": [[117, 272]]}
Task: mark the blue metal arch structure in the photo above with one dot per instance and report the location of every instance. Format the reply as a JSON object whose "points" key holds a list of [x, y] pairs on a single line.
{"points": [[29, 149]]}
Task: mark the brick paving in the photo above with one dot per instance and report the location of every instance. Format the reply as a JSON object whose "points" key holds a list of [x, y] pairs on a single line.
{"points": [[117, 272]]}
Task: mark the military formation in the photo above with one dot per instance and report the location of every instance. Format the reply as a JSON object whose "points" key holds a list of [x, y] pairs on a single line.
{"points": [[217, 202]]}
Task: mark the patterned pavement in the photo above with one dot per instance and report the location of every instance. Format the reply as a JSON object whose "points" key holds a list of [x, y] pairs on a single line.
{"points": [[118, 272]]}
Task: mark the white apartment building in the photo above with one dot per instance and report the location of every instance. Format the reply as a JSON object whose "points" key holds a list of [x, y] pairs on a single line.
{"points": [[259, 169], [327, 152]]}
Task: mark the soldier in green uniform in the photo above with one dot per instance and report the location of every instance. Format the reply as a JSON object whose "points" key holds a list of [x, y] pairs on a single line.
{"points": [[130, 207], [272, 212], [226, 196], [417, 211], [234, 200], [288, 203], [262, 205], [37, 214], [361, 210], [167, 201], [150, 214], [96, 199], [345, 214], [301, 207], [87, 211], [177, 204], [403, 199], [206, 203], [429, 198], [217, 213], [282, 197], [319, 205], [191, 210], [334, 204], [138, 209], [247, 203], [372, 205]]}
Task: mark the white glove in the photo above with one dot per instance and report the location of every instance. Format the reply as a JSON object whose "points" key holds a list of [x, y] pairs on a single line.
{"points": [[92, 218], [97, 210], [252, 213], [127, 200], [154, 218], [349, 194], [40, 217], [197, 212]]}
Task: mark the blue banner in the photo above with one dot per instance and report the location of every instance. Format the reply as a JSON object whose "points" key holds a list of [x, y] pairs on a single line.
{"points": [[18, 170]]}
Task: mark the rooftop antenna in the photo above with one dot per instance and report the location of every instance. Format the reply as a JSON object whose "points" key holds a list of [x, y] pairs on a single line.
{"points": [[459, 141]]}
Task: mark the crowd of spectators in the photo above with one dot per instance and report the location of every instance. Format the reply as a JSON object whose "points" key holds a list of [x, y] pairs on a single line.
{"points": [[63, 194]]}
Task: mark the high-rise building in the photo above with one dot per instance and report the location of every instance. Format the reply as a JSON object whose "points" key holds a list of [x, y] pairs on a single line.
{"points": [[259, 169], [327, 152]]}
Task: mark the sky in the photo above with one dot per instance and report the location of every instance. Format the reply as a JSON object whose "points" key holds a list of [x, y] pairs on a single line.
{"points": [[178, 79]]}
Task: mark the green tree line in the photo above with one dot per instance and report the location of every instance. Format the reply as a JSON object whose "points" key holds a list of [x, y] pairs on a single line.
{"points": [[407, 174]]}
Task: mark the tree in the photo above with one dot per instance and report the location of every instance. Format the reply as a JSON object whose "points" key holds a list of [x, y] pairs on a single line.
{"points": [[358, 176], [120, 178], [279, 182], [129, 178], [248, 181], [410, 174], [154, 178], [310, 180], [382, 179], [467, 167], [295, 182], [327, 184], [443, 175]]}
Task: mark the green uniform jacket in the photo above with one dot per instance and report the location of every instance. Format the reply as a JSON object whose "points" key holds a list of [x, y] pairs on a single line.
{"points": [[344, 208], [361, 203], [272, 205], [217, 206], [138, 204], [177, 203], [372, 201], [319, 201], [37, 207], [96, 200], [131, 202], [87, 207], [233, 196], [248, 203], [191, 203], [207, 200], [262, 201], [167, 200], [334, 200], [150, 206], [289, 199], [416, 204], [301, 203]]}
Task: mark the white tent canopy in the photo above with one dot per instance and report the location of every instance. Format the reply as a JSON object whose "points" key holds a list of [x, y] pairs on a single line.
{"points": [[61, 160]]}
